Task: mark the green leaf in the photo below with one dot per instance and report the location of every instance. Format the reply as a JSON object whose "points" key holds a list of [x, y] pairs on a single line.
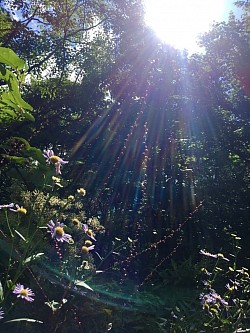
{"points": [[16, 159], [10, 58], [26, 143], [28, 116], [29, 151], [16, 96], [36, 154], [83, 284], [6, 100], [24, 319], [10, 284], [10, 112]]}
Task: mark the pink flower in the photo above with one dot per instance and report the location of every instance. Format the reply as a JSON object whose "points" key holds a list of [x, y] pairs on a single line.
{"points": [[24, 292], [57, 231], [54, 159]]}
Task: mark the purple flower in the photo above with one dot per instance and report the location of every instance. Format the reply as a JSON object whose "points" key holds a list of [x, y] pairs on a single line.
{"points": [[57, 232], [54, 159], [24, 292], [11, 205], [1, 313], [212, 298], [88, 231]]}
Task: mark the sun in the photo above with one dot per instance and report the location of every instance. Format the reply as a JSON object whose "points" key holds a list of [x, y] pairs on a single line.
{"points": [[179, 22]]}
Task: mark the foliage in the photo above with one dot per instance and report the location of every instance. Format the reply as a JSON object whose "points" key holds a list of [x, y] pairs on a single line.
{"points": [[12, 106], [224, 297], [160, 141]]}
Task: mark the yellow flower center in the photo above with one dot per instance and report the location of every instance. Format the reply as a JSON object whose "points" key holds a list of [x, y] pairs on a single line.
{"points": [[24, 292], [76, 222], [88, 242], [59, 231], [89, 232], [22, 210], [54, 159], [85, 249]]}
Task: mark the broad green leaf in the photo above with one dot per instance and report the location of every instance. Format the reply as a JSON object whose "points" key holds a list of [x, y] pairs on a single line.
{"points": [[28, 116], [6, 100], [8, 77], [33, 152], [10, 112], [36, 154], [26, 143], [16, 96], [10, 58]]}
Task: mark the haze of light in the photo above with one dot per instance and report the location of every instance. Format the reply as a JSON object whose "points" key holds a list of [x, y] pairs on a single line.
{"points": [[179, 22]]}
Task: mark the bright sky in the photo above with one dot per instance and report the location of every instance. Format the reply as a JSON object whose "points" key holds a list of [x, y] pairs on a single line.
{"points": [[178, 22]]}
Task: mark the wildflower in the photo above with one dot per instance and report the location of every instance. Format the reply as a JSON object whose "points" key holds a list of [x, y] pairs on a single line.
{"points": [[57, 181], [24, 292], [11, 205], [19, 209], [71, 197], [54, 159], [81, 191], [229, 287], [1, 313], [212, 299], [57, 232], [88, 231], [86, 249], [88, 242], [76, 222]]}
